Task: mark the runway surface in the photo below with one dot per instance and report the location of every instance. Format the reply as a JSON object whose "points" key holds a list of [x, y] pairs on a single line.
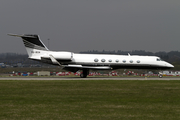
{"points": [[89, 78]]}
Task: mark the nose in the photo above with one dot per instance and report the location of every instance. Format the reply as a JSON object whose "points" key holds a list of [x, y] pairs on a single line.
{"points": [[170, 65]]}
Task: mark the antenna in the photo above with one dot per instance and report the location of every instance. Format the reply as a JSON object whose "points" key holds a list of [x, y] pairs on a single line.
{"points": [[48, 42]]}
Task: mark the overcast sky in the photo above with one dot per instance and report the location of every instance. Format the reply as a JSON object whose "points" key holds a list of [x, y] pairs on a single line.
{"points": [[81, 25]]}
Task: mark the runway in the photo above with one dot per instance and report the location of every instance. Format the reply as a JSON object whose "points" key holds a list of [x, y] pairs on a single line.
{"points": [[89, 78]]}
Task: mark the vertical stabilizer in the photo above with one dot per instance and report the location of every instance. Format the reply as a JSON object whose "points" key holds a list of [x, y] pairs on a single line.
{"points": [[34, 46]]}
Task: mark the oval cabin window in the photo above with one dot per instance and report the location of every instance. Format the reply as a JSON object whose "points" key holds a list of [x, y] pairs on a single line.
{"points": [[103, 60], [117, 60], [124, 61], [96, 60], [138, 61]]}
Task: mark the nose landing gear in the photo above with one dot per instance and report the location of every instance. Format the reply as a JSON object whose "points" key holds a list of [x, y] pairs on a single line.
{"points": [[160, 75]]}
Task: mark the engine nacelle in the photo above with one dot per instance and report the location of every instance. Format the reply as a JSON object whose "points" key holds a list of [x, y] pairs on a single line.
{"points": [[58, 55], [62, 55]]}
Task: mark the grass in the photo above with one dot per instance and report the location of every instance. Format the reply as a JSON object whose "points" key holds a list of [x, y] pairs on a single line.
{"points": [[89, 100]]}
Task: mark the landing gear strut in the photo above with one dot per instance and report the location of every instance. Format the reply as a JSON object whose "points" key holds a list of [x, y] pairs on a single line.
{"points": [[160, 75], [84, 73]]}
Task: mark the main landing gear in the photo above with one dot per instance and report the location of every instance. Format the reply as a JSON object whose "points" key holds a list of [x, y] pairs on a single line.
{"points": [[84, 73]]}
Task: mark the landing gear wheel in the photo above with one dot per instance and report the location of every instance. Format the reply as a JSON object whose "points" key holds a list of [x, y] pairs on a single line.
{"points": [[160, 75]]}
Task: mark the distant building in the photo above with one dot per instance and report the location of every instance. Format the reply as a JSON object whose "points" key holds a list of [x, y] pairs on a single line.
{"points": [[43, 73], [2, 65]]}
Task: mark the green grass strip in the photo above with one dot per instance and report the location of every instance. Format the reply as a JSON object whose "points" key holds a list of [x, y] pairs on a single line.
{"points": [[90, 100]]}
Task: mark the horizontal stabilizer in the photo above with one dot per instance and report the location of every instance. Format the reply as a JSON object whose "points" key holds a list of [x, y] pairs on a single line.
{"points": [[25, 35], [15, 35]]}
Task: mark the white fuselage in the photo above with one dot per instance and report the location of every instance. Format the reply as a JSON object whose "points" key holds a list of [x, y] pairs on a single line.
{"points": [[114, 61]]}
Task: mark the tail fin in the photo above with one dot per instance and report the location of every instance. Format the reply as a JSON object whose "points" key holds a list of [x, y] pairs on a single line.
{"points": [[34, 46], [32, 41]]}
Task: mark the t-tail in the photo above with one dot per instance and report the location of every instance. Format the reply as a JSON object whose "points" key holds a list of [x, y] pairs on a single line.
{"points": [[34, 46]]}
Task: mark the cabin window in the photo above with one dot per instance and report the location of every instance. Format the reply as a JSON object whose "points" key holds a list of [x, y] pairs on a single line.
{"points": [[131, 61], [124, 61], [110, 60], [117, 60], [138, 61], [103, 60], [96, 60]]}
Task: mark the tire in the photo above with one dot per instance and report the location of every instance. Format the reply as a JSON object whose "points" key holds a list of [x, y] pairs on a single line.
{"points": [[160, 75]]}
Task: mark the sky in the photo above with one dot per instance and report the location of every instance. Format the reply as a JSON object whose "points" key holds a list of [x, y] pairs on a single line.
{"points": [[82, 25]]}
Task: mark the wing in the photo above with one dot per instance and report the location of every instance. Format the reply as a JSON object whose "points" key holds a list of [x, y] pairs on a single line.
{"points": [[75, 68]]}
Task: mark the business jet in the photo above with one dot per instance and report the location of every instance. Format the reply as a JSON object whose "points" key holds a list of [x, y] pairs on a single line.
{"points": [[74, 61]]}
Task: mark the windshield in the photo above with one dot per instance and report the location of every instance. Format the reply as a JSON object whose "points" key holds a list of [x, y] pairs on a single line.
{"points": [[159, 59]]}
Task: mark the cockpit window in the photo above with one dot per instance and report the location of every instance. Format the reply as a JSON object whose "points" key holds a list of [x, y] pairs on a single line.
{"points": [[159, 59]]}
